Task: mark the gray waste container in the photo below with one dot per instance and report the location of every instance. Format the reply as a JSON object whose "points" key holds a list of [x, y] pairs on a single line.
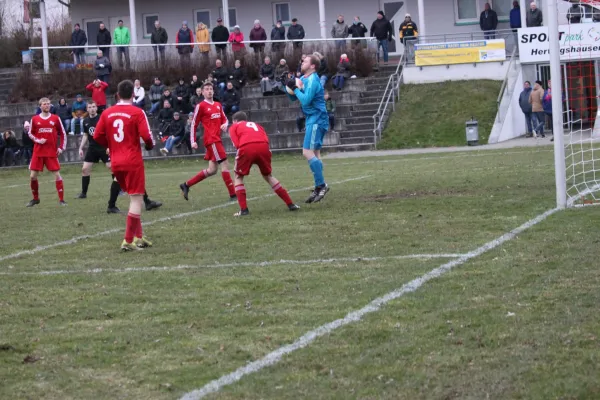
{"points": [[472, 128]]}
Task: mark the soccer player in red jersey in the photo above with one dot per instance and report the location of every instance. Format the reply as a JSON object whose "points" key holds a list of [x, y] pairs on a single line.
{"points": [[213, 119], [120, 129], [44, 130], [252, 144]]}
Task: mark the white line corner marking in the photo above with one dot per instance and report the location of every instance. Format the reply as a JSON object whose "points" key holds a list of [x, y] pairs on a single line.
{"points": [[354, 316]]}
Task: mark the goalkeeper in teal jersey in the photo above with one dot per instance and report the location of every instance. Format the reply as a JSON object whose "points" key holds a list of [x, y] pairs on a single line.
{"points": [[312, 100]]}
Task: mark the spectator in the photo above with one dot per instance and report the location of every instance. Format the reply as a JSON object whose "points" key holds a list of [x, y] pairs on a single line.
{"points": [[534, 16], [103, 67], [188, 132], [282, 72], [220, 76], [238, 76], [78, 38], [278, 33], [64, 113], [575, 13], [11, 148], [340, 31], [195, 83], [165, 117], [298, 69], [358, 30], [182, 97], [526, 107], [220, 34], [236, 38], [267, 76], [257, 33], [176, 133], [231, 100], [296, 32], [515, 16], [122, 37], [330, 107], [343, 72], [98, 89], [196, 98], [185, 36], [27, 143], [537, 110], [159, 37], [167, 96], [381, 29], [202, 39], [103, 39], [408, 35], [488, 22], [323, 71], [547, 106], [78, 112], [156, 91], [139, 95]]}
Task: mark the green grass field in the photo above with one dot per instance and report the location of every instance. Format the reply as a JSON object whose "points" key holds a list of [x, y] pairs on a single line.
{"points": [[83, 321]]}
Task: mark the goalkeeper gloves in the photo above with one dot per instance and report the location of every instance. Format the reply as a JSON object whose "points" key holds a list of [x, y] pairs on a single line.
{"points": [[291, 84]]}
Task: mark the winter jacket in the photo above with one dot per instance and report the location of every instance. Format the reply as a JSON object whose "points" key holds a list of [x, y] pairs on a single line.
{"points": [[63, 112], [524, 100], [357, 30], [381, 29], [278, 33], [98, 93], [194, 86], [79, 107], [408, 30], [535, 99], [575, 14], [281, 72], [156, 92], [220, 34], [168, 98], [102, 66], [267, 71], [231, 98], [488, 20], [159, 36], [78, 38], [103, 38], [220, 74], [121, 35], [547, 101], [185, 36], [257, 34], [515, 18], [323, 68], [343, 68], [295, 32], [26, 141], [339, 30], [165, 115], [177, 127], [535, 17], [195, 100], [11, 143], [202, 37], [183, 91], [236, 39], [238, 77], [139, 95]]}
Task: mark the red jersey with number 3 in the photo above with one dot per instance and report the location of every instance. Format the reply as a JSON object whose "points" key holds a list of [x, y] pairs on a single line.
{"points": [[120, 129], [49, 128], [245, 132], [212, 117]]}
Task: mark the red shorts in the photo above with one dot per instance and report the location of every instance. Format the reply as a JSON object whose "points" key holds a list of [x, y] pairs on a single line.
{"points": [[133, 181], [215, 152], [253, 154], [37, 163]]}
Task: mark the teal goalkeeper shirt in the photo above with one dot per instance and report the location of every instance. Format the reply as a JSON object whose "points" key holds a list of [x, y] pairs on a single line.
{"points": [[312, 98]]}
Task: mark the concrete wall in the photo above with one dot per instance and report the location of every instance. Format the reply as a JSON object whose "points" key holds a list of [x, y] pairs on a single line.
{"points": [[459, 72]]}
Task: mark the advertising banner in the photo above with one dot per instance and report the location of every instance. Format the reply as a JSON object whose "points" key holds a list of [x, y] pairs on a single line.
{"points": [[577, 42], [460, 52]]}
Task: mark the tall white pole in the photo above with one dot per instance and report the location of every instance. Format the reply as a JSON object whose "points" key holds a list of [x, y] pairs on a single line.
{"points": [[322, 22], [226, 13], [523, 7], [133, 22], [44, 36], [421, 10], [557, 109]]}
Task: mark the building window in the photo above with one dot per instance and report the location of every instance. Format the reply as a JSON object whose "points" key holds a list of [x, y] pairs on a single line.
{"points": [[92, 27], [149, 20], [281, 12], [232, 16], [502, 8], [201, 16]]}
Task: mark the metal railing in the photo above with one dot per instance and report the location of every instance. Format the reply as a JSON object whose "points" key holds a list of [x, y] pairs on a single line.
{"points": [[504, 87], [392, 91]]}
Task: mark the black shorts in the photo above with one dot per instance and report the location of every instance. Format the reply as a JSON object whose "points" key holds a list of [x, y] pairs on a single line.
{"points": [[96, 154]]}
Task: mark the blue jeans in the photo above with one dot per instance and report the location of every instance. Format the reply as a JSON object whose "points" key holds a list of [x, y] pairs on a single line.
{"points": [[323, 79], [528, 124], [340, 44], [172, 141], [155, 107], [538, 119], [222, 87], [338, 82], [67, 124], [79, 57], [384, 45], [74, 121]]}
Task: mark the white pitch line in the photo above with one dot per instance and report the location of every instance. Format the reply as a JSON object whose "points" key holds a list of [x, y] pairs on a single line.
{"points": [[354, 316], [164, 219], [230, 265]]}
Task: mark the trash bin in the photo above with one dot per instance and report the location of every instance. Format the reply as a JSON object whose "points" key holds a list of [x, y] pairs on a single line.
{"points": [[472, 128]]}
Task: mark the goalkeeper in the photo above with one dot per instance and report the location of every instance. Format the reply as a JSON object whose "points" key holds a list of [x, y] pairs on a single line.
{"points": [[312, 100]]}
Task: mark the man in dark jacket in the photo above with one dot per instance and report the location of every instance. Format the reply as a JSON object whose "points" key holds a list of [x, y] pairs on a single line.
{"points": [[526, 107], [515, 23], [185, 39], [220, 75], [238, 75], [176, 133], [159, 37], [575, 13], [102, 67], [64, 113], [231, 100], [408, 35], [277, 33], [165, 117], [155, 94], [104, 39], [196, 98], [296, 32], [534, 16], [381, 29], [182, 97], [220, 33], [488, 22], [78, 38], [357, 30]]}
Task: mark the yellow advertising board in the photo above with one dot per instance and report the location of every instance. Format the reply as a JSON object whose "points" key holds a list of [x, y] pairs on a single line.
{"points": [[460, 52]]}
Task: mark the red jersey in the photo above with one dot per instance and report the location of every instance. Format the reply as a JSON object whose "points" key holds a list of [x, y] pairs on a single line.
{"points": [[98, 93], [49, 128], [245, 132], [120, 129], [212, 117]]}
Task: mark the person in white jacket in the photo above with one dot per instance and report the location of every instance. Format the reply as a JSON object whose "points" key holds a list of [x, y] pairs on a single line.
{"points": [[139, 95]]}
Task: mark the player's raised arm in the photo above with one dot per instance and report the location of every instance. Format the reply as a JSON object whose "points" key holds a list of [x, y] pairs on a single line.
{"points": [[143, 127], [100, 132], [310, 89], [194, 127]]}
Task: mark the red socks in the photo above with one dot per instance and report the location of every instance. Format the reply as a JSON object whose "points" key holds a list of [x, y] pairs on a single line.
{"points": [[60, 190], [198, 178], [282, 193], [134, 224], [240, 191], [228, 182], [35, 189]]}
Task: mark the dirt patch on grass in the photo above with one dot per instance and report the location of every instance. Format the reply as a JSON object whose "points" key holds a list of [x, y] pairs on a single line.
{"points": [[413, 194]]}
